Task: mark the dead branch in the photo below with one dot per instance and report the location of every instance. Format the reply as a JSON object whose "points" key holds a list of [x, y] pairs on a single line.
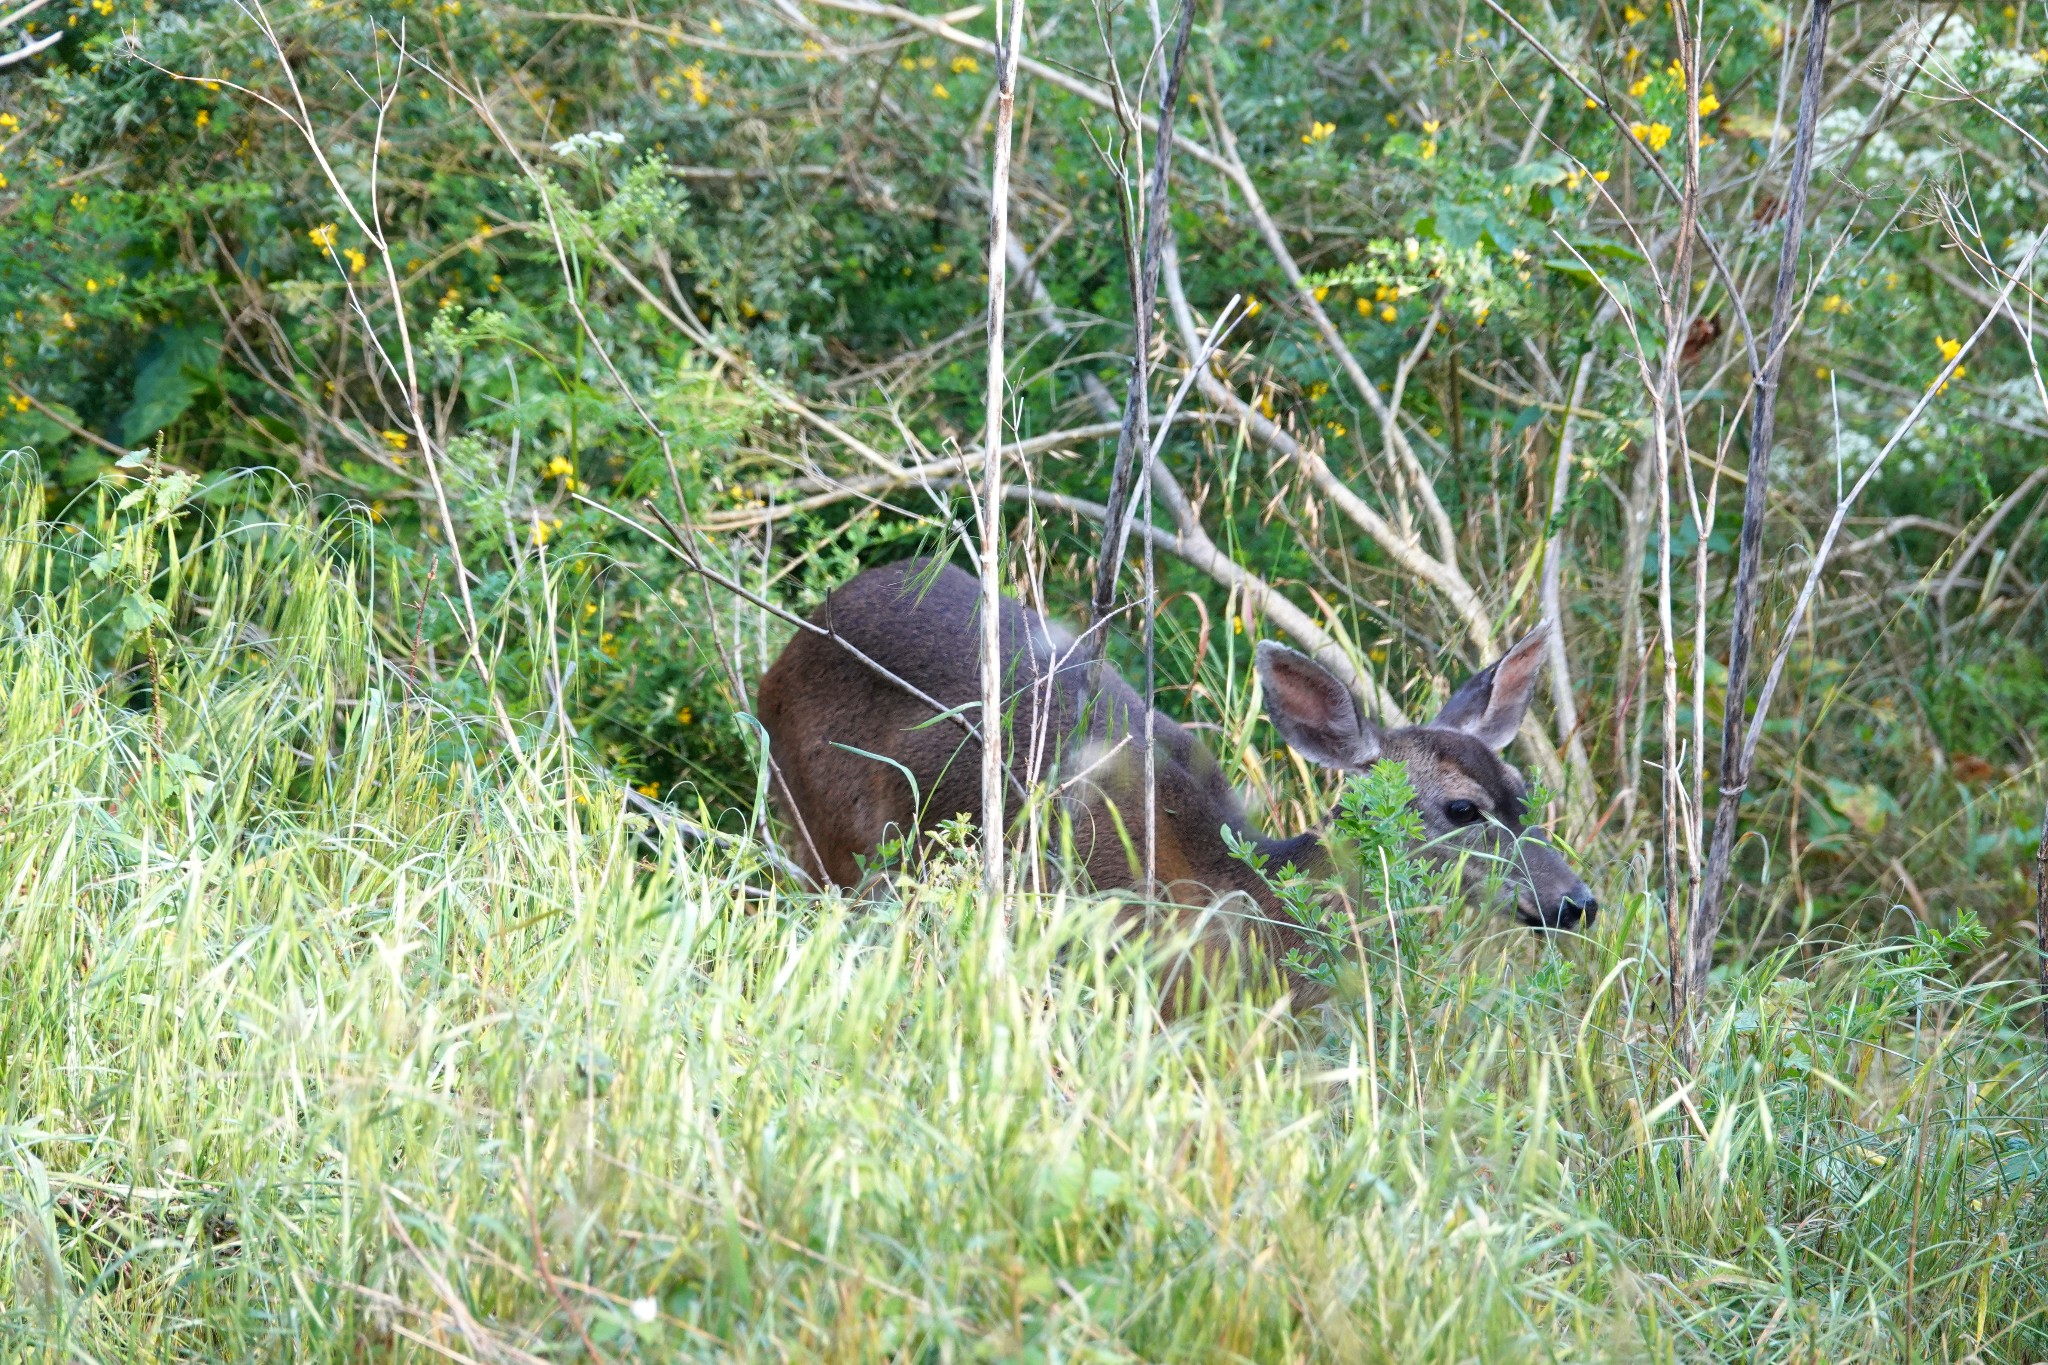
{"points": [[1144, 294], [1709, 906]]}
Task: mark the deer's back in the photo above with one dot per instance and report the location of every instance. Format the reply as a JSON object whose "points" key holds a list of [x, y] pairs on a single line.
{"points": [[922, 623]]}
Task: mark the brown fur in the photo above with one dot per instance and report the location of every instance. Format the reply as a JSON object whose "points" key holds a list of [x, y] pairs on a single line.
{"points": [[820, 703]]}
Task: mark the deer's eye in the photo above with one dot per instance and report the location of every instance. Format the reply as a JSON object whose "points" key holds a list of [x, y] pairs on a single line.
{"points": [[1462, 812]]}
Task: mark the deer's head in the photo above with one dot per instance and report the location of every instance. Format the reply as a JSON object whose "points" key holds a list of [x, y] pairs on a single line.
{"points": [[1471, 802]]}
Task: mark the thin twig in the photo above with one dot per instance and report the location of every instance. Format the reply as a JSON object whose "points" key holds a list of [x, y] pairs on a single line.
{"points": [[994, 761], [1144, 296], [1710, 904]]}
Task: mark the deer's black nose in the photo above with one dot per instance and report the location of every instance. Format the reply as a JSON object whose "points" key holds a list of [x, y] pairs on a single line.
{"points": [[1574, 908]]}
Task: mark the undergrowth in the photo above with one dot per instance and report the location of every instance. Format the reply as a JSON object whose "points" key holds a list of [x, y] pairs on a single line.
{"points": [[338, 1026]]}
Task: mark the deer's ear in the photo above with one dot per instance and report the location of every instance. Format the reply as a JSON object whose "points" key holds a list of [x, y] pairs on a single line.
{"points": [[1316, 713], [1490, 705]]}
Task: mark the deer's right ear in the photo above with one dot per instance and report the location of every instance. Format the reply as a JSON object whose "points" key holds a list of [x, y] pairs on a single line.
{"points": [[1313, 711]]}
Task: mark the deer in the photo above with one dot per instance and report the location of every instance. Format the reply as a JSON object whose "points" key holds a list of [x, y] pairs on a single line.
{"points": [[874, 735]]}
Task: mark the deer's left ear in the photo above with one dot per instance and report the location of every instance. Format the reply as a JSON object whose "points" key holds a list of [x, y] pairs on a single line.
{"points": [[1489, 707], [1314, 711]]}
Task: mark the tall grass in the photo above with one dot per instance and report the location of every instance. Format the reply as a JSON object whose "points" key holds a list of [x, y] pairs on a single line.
{"points": [[336, 1028]]}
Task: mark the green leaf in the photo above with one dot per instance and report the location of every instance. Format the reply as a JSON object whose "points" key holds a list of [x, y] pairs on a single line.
{"points": [[176, 366], [1613, 251], [139, 612]]}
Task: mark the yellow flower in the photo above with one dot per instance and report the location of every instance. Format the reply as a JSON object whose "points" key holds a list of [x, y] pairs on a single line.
{"points": [[1237, 624], [1265, 42], [1251, 307], [1708, 104], [1317, 390], [1431, 125], [1655, 134], [356, 260], [541, 532], [1631, 14], [964, 65], [377, 510], [210, 85], [3, 182], [322, 236], [1833, 303], [1950, 347], [397, 440], [92, 286], [1429, 149], [20, 402], [648, 789], [685, 716], [1394, 120], [700, 90], [1600, 176], [1676, 70], [9, 122], [1317, 132], [1364, 306], [78, 201], [717, 26], [201, 119], [940, 91], [559, 468], [1640, 88], [1336, 428], [1389, 313]]}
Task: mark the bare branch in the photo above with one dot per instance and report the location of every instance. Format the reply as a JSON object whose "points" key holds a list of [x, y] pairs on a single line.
{"points": [[1144, 293], [995, 765], [1709, 906]]}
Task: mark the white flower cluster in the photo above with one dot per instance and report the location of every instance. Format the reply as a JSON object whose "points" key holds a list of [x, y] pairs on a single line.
{"points": [[587, 142]]}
